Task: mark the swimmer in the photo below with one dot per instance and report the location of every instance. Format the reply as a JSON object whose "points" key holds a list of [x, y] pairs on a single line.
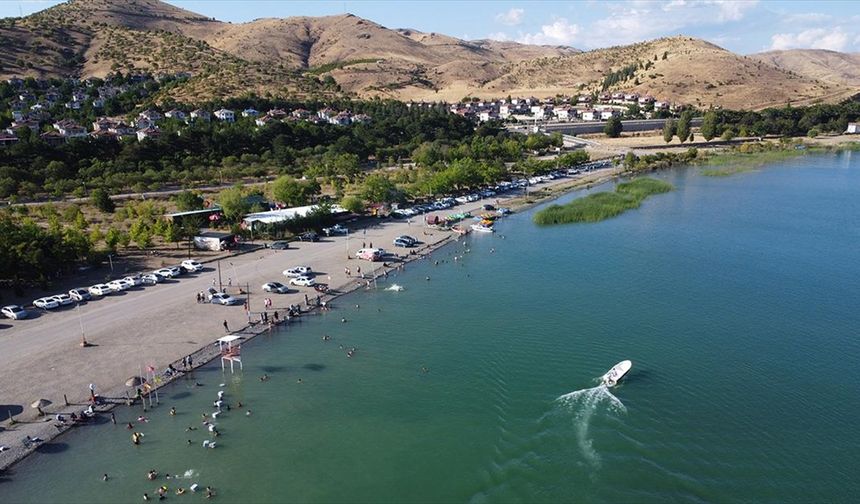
{"points": [[172, 411], [357, 307], [180, 491], [425, 369], [152, 474], [142, 419], [239, 404], [428, 279], [343, 320], [190, 428], [129, 426], [198, 384], [264, 377], [299, 380], [248, 413], [220, 394], [189, 441], [105, 477], [145, 497]]}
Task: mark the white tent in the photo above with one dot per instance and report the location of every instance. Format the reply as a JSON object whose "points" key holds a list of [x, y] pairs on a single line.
{"points": [[285, 214]]}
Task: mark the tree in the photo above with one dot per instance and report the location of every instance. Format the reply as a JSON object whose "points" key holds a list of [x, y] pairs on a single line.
{"points": [[112, 238], [171, 233], [233, 203], [294, 192], [140, 233], [352, 204], [188, 200], [727, 135], [101, 200], [378, 189], [613, 127], [669, 129], [683, 128], [709, 125]]}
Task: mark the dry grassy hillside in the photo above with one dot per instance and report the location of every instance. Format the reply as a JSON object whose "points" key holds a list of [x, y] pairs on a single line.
{"points": [[293, 55], [829, 66]]}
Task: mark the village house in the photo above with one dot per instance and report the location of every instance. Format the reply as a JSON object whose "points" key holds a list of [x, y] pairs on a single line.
{"points": [[7, 139], [143, 123], [277, 114], [15, 82], [151, 132], [631, 98], [661, 105], [98, 102], [565, 113], [341, 119], [584, 100], [590, 115], [53, 137], [225, 115], [300, 113], [25, 123], [250, 112], [608, 114], [265, 120], [175, 114], [360, 118], [199, 115], [487, 115], [74, 105], [70, 129], [853, 128], [151, 115], [645, 100]]}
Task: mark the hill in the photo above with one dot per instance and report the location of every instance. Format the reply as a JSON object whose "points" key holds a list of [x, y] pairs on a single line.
{"points": [[828, 66], [345, 54]]}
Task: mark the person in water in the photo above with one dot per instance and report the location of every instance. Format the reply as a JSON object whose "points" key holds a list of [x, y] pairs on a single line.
{"points": [[172, 411]]}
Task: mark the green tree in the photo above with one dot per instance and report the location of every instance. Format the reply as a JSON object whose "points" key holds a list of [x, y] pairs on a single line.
{"points": [[683, 128], [669, 129], [101, 200], [140, 234], [112, 238], [233, 203], [728, 134], [170, 232], [613, 127], [378, 189], [124, 239], [96, 236], [352, 204], [294, 192], [709, 125], [188, 200]]}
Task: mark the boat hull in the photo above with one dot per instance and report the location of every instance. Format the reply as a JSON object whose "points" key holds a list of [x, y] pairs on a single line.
{"points": [[614, 375]]}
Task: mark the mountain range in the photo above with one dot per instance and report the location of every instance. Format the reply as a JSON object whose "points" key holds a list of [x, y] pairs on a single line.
{"points": [[345, 54]]}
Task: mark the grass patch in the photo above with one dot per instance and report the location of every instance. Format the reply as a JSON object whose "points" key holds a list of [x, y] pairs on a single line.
{"points": [[725, 172], [328, 67], [603, 205]]}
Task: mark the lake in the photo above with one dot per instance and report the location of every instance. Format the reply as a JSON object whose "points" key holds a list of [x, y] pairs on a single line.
{"points": [[735, 297]]}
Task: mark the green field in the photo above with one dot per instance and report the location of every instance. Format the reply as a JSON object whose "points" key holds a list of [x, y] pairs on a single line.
{"points": [[603, 205]]}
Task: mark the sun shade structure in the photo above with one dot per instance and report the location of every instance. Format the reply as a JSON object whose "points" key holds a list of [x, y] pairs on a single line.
{"points": [[231, 351], [38, 405]]}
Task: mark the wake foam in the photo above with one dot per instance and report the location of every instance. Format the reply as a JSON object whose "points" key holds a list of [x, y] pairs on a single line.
{"points": [[583, 404], [395, 287]]}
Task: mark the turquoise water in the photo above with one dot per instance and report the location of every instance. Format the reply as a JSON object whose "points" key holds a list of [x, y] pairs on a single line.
{"points": [[736, 298]]}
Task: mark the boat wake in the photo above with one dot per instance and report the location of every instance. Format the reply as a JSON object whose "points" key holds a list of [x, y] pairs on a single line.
{"points": [[395, 288], [583, 404]]}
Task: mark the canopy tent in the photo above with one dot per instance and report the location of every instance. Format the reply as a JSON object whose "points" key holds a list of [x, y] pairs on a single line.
{"points": [[284, 214]]}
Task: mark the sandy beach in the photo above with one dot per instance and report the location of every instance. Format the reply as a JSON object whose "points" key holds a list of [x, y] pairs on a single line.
{"points": [[158, 325]]}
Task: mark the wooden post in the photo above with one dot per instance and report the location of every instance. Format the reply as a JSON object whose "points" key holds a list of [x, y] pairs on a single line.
{"points": [[65, 399]]}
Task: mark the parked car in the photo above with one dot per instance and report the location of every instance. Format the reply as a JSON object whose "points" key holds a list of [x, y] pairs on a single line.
{"points": [[370, 254], [46, 303], [120, 285], [191, 265], [223, 299], [100, 290], [134, 280], [298, 271], [151, 278], [309, 236], [402, 243], [280, 245], [14, 312], [408, 238], [337, 229], [169, 272], [80, 295], [303, 281], [64, 299], [276, 287]]}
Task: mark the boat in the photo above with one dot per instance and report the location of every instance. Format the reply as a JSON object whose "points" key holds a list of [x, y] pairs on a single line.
{"points": [[614, 375], [459, 229], [482, 228]]}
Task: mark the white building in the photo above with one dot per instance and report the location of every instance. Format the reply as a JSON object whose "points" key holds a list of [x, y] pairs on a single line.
{"points": [[225, 115], [853, 128]]}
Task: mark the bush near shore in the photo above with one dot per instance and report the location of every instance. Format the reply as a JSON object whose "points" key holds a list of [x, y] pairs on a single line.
{"points": [[603, 205]]}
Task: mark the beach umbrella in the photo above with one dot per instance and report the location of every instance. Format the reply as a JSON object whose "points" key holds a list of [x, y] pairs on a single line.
{"points": [[135, 381], [41, 403]]}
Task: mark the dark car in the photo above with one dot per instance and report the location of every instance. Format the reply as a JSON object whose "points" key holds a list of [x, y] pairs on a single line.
{"points": [[280, 245], [309, 236]]}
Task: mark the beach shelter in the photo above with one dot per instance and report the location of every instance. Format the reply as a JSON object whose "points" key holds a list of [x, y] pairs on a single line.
{"points": [[231, 351], [135, 381], [41, 403]]}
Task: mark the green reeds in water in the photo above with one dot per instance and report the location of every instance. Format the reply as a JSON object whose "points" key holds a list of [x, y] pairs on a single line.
{"points": [[603, 205]]}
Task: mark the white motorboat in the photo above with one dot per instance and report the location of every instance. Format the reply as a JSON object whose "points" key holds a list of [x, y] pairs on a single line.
{"points": [[482, 228], [614, 375]]}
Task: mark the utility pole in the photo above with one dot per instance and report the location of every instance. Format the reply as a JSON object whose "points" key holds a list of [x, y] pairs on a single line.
{"points": [[220, 283]]}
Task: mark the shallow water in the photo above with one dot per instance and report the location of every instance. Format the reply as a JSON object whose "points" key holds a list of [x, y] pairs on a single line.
{"points": [[736, 299]]}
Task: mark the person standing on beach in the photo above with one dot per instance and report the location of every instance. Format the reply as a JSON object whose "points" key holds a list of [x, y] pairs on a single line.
{"points": [[227, 329]]}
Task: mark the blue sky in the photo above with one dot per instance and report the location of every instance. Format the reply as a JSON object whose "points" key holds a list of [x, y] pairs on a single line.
{"points": [[744, 26]]}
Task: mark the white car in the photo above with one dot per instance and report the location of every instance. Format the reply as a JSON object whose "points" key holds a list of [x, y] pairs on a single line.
{"points": [[303, 281], [134, 280], [170, 272], [63, 299], [120, 285], [298, 271], [151, 278], [276, 287], [223, 299], [337, 229], [100, 290], [14, 312], [46, 303], [191, 265], [80, 295]]}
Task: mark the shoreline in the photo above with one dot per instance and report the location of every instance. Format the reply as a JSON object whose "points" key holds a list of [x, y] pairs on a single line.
{"points": [[45, 427]]}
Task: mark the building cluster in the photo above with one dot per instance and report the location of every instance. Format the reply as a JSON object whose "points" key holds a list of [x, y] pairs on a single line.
{"points": [[31, 110], [581, 108]]}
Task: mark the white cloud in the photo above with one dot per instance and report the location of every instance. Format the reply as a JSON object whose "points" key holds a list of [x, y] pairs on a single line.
{"points": [[733, 10], [807, 18], [816, 38], [559, 32], [513, 17], [500, 36]]}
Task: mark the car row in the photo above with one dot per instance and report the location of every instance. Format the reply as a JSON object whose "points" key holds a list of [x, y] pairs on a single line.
{"points": [[81, 294]]}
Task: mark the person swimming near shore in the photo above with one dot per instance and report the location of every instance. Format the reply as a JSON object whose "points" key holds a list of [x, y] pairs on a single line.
{"points": [[343, 320], [425, 369], [265, 377], [248, 413], [151, 474], [105, 477], [172, 411], [129, 426], [180, 491], [136, 437], [142, 418], [299, 380]]}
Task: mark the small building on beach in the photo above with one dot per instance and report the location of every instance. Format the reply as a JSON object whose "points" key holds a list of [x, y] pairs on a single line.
{"points": [[214, 240]]}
